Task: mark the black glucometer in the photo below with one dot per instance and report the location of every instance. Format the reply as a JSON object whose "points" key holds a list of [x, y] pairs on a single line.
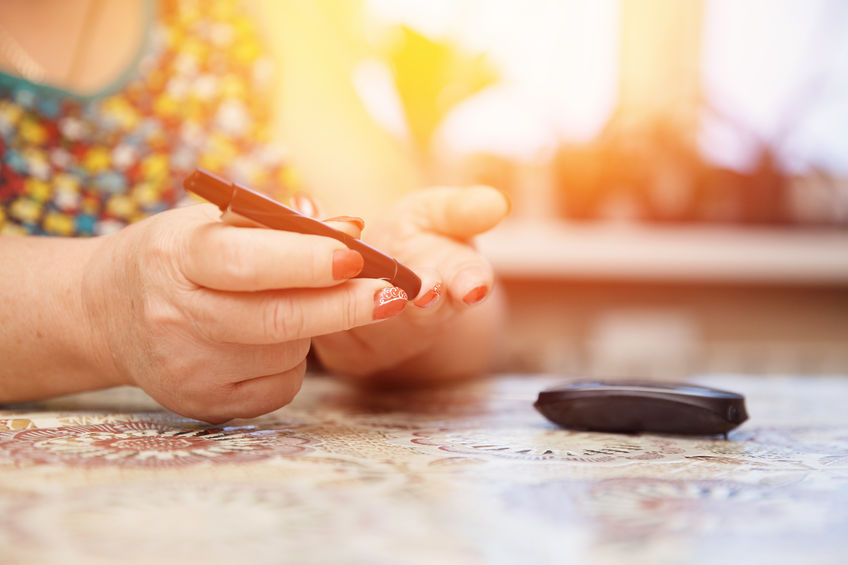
{"points": [[634, 406]]}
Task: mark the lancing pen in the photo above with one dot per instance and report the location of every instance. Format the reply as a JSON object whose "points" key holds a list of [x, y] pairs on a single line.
{"points": [[238, 199]]}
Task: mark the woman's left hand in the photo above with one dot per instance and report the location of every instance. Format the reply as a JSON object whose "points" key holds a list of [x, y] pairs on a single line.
{"points": [[451, 331]]}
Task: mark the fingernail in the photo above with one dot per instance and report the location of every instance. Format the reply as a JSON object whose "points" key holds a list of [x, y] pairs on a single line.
{"points": [[304, 204], [429, 298], [388, 302], [347, 263], [475, 295], [360, 223]]}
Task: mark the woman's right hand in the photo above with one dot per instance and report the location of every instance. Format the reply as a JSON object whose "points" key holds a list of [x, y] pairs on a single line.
{"points": [[214, 321]]}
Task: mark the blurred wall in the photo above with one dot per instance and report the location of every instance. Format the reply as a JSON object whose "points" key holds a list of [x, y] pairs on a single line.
{"points": [[656, 330], [344, 158]]}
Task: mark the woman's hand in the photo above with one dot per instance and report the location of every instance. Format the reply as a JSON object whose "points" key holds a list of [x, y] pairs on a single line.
{"points": [[214, 321], [452, 328]]}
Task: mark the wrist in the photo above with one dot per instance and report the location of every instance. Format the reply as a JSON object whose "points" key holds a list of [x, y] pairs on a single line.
{"points": [[94, 287], [47, 341]]}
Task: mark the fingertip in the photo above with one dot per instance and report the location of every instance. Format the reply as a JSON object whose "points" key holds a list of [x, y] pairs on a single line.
{"points": [[505, 200], [478, 208], [351, 225], [489, 199], [471, 286]]}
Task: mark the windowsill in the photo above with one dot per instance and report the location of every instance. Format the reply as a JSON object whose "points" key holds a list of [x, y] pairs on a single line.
{"points": [[711, 254]]}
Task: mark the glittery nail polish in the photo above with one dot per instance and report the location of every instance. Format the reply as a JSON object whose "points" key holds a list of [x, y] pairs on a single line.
{"points": [[430, 297], [389, 302]]}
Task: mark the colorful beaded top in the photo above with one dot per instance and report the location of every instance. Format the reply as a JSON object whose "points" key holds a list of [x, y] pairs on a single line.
{"points": [[198, 97]]}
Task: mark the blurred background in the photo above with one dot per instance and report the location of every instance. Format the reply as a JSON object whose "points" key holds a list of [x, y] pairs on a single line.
{"points": [[678, 169]]}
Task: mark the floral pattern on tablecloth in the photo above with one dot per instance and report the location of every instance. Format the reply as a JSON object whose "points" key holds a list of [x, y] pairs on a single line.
{"points": [[471, 474], [145, 444]]}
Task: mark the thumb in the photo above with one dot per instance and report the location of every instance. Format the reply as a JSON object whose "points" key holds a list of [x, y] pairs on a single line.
{"points": [[459, 212]]}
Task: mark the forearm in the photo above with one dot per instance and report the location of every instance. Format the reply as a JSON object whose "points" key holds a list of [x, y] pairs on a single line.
{"points": [[47, 344]]}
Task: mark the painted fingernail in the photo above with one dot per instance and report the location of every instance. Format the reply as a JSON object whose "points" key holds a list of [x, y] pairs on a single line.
{"points": [[360, 223], [304, 204], [347, 263], [476, 295], [430, 297], [388, 302]]}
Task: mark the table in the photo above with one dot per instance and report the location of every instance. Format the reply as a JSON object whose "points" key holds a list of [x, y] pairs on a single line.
{"points": [[469, 474]]}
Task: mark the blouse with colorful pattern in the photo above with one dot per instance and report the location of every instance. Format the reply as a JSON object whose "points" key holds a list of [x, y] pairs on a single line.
{"points": [[199, 96]]}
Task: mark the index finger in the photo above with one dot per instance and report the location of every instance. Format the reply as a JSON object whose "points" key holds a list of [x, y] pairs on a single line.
{"points": [[224, 257], [281, 316]]}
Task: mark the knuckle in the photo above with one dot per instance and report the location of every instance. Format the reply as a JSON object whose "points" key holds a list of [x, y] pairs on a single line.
{"points": [[159, 241], [153, 253], [203, 322], [160, 316], [351, 310], [284, 321]]}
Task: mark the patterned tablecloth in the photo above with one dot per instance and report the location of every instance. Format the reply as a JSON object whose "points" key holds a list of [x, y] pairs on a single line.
{"points": [[464, 475]]}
